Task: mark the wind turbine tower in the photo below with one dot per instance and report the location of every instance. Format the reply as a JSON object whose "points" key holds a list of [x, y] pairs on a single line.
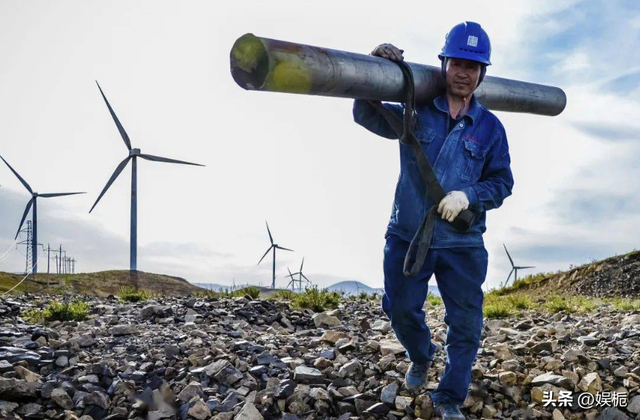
{"points": [[514, 268], [273, 247], [300, 275], [134, 154]]}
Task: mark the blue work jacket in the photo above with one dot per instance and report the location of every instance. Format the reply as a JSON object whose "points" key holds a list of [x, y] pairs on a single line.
{"points": [[473, 157]]}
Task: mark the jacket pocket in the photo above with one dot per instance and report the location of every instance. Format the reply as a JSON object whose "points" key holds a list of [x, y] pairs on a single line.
{"points": [[472, 160], [425, 135]]}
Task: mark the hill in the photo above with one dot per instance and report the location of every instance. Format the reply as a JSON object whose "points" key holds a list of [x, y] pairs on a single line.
{"points": [[617, 276], [103, 283]]}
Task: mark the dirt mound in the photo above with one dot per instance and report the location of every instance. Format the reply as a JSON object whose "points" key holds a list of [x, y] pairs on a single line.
{"points": [[617, 276], [103, 283]]}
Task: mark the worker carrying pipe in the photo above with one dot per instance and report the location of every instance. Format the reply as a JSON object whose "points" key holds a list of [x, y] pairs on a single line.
{"points": [[449, 141], [468, 148]]}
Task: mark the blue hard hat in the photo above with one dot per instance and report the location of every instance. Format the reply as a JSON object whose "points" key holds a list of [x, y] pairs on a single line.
{"points": [[469, 41]]}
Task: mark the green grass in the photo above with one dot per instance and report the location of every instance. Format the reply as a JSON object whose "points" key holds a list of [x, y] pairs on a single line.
{"points": [[253, 292], [497, 306], [284, 295], [227, 293], [625, 305], [131, 294], [316, 299], [58, 311], [570, 304], [496, 310], [363, 296], [519, 301], [204, 294], [433, 299]]}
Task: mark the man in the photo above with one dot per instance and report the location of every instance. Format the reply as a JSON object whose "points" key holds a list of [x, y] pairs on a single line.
{"points": [[467, 147]]}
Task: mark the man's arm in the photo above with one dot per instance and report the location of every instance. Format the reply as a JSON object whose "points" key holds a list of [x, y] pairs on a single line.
{"points": [[496, 181], [368, 116]]}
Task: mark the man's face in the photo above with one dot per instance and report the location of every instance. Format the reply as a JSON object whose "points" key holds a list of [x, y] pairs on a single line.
{"points": [[462, 76]]}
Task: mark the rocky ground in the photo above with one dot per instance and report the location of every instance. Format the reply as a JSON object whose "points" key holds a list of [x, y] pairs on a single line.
{"points": [[243, 359]]}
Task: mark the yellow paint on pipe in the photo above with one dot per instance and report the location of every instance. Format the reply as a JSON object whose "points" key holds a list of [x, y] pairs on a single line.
{"points": [[290, 77]]}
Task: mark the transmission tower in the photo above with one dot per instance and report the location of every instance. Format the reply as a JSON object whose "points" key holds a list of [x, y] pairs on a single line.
{"points": [[28, 242]]}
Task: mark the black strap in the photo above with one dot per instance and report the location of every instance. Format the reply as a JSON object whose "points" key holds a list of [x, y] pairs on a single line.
{"points": [[421, 241]]}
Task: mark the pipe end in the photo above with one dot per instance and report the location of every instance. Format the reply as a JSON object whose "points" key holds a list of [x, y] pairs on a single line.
{"points": [[249, 62]]}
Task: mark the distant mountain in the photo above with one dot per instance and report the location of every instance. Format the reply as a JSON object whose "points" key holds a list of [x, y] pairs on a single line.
{"points": [[213, 286], [353, 287]]}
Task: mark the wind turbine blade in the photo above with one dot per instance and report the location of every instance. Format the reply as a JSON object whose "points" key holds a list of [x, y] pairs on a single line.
{"points": [[290, 275], [505, 248], [269, 230], [508, 277], [265, 254], [26, 185], [123, 133], [283, 248], [166, 160], [49, 195], [301, 265], [24, 216], [113, 178], [305, 277], [528, 266]]}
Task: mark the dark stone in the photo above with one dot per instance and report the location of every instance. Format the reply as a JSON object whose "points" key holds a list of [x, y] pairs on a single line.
{"points": [[229, 402], [286, 388]]}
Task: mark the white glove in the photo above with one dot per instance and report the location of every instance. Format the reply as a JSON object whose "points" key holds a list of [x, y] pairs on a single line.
{"points": [[452, 204]]}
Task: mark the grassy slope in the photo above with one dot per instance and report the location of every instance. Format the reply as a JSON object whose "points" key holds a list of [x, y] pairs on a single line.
{"points": [[103, 283]]}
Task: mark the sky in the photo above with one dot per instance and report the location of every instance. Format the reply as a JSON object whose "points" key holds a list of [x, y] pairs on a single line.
{"points": [[324, 183]]}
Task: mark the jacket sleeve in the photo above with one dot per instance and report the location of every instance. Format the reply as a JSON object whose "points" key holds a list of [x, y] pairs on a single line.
{"points": [[496, 181], [367, 116]]}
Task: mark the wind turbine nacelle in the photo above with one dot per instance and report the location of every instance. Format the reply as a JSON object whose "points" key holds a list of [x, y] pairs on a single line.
{"points": [[134, 152]]}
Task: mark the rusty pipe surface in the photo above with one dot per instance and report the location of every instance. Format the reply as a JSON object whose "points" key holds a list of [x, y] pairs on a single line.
{"points": [[279, 66]]}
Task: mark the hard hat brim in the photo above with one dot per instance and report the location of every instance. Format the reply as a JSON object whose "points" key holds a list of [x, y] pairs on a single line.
{"points": [[466, 55]]}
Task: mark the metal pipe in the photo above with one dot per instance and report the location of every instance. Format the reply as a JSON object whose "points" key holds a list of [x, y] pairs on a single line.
{"points": [[279, 66]]}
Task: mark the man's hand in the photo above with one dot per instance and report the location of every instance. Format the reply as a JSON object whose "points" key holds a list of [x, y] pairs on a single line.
{"points": [[452, 204], [388, 51]]}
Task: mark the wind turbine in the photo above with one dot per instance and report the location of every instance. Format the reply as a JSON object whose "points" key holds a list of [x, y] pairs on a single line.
{"points": [[300, 276], [514, 268], [34, 217], [292, 282], [273, 247], [134, 154]]}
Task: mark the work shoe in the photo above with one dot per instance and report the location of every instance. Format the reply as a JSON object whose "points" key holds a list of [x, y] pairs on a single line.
{"points": [[416, 375], [448, 411]]}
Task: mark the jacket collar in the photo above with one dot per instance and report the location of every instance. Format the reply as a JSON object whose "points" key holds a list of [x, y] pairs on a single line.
{"points": [[474, 108]]}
